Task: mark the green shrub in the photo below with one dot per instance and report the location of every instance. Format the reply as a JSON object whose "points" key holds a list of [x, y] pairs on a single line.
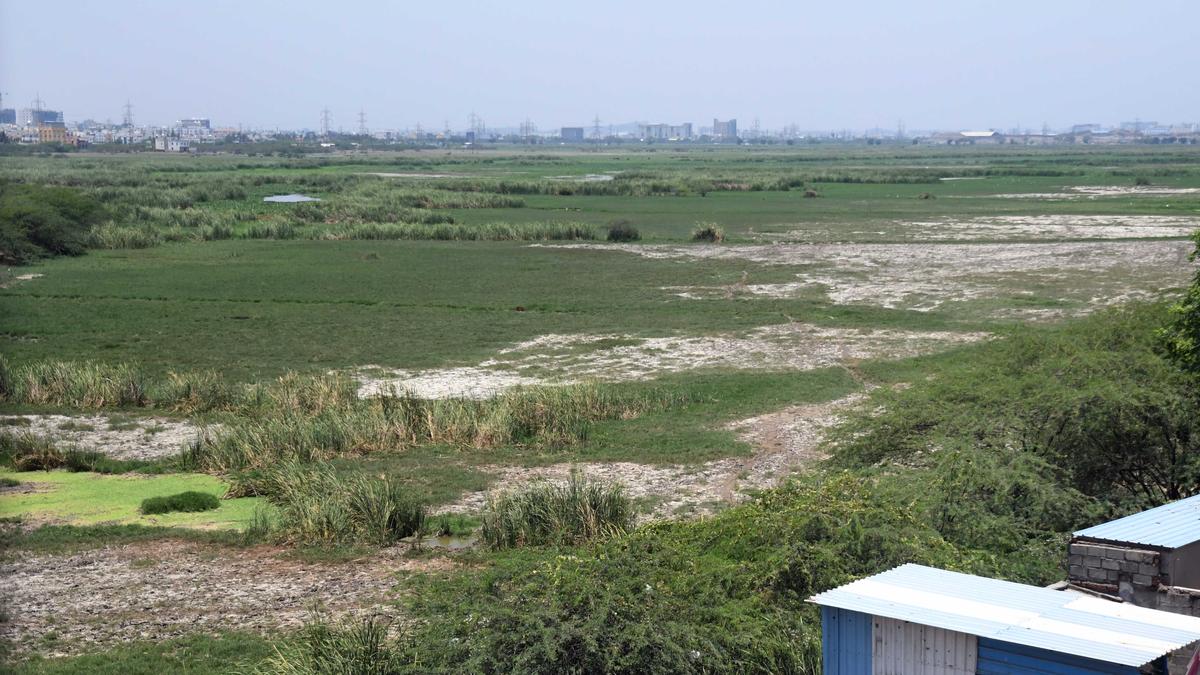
{"points": [[184, 502], [38, 222], [6, 482], [709, 232], [1141, 181], [622, 230], [548, 513]]}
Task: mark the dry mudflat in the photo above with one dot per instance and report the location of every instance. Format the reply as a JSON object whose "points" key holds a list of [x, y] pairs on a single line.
{"points": [[68, 604]]}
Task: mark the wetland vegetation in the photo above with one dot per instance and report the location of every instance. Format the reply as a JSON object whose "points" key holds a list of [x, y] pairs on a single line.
{"points": [[608, 386]]}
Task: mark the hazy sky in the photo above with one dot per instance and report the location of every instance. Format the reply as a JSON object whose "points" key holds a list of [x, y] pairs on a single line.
{"points": [[827, 65]]}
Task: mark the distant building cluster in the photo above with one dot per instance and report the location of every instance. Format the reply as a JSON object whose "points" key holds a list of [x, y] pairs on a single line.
{"points": [[39, 124]]}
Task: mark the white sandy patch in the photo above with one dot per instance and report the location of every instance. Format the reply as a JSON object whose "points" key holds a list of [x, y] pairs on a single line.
{"points": [[790, 346], [414, 175], [1061, 227], [468, 382], [784, 442], [926, 276], [564, 359], [134, 438], [586, 178], [1093, 191]]}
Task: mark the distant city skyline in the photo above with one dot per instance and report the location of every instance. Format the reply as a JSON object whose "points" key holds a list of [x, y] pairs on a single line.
{"points": [[856, 66]]}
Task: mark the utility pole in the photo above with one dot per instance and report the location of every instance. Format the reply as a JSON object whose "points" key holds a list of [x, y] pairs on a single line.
{"points": [[325, 122]]}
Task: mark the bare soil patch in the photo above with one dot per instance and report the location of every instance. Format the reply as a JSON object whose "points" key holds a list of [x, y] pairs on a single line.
{"points": [[1094, 191], [563, 359], [926, 276], [133, 438], [160, 590]]}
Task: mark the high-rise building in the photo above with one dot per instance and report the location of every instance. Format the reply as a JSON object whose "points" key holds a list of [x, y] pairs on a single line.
{"points": [[8, 116], [725, 129], [572, 134], [32, 117]]}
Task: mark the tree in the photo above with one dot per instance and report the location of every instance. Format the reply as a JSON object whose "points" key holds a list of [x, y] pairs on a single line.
{"points": [[1181, 337]]}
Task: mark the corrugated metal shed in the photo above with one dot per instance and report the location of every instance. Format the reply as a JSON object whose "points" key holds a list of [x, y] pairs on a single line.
{"points": [[1168, 526], [1058, 621]]}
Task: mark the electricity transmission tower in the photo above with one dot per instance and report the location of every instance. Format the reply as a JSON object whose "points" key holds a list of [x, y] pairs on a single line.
{"points": [[127, 118], [362, 122], [325, 122], [596, 128]]}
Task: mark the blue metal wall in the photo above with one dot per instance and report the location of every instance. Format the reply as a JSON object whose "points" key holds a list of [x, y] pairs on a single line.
{"points": [[1003, 658], [845, 642]]}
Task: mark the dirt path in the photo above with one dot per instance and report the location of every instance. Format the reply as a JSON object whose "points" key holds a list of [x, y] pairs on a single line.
{"points": [[67, 604], [785, 441]]}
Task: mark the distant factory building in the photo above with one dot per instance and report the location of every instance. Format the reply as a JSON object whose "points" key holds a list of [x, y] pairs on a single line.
{"points": [[726, 129], [572, 134], [665, 132], [969, 138], [8, 116]]}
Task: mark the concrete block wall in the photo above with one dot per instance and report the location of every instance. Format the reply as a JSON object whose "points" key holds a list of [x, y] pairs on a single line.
{"points": [[1114, 569], [1104, 567]]}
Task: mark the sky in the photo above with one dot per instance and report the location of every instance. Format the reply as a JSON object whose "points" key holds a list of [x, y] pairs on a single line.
{"points": [[965, 64]]}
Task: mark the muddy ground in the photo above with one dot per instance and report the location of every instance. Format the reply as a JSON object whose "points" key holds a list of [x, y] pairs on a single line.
{"points": [[68, 604]]}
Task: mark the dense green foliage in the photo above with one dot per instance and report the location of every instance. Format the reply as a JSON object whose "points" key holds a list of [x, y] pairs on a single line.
{"points": [[1181, 337], [1094, 398], [184, 502], [40, 222]]}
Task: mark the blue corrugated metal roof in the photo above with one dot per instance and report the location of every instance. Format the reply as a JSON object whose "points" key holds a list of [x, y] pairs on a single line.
{"points": [[1167, 526], [1060, 621]]}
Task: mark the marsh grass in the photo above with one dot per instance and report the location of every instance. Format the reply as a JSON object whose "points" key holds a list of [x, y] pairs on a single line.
{"points": [[303, 431], [317, 507], [363, 646], [573, 512]]}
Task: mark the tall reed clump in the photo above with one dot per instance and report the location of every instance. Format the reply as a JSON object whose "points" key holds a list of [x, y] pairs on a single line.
{"points": [[317, 507], [77, 384], [573, 512], [324, 423], [89, 384], [709, 232], [359, 646]]}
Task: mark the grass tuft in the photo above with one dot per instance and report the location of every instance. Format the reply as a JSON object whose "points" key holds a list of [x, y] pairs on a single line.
{"points": [[574, 512]]}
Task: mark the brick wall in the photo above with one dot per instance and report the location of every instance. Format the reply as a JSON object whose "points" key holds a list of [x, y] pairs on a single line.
{"points": [[1105, 567]]}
